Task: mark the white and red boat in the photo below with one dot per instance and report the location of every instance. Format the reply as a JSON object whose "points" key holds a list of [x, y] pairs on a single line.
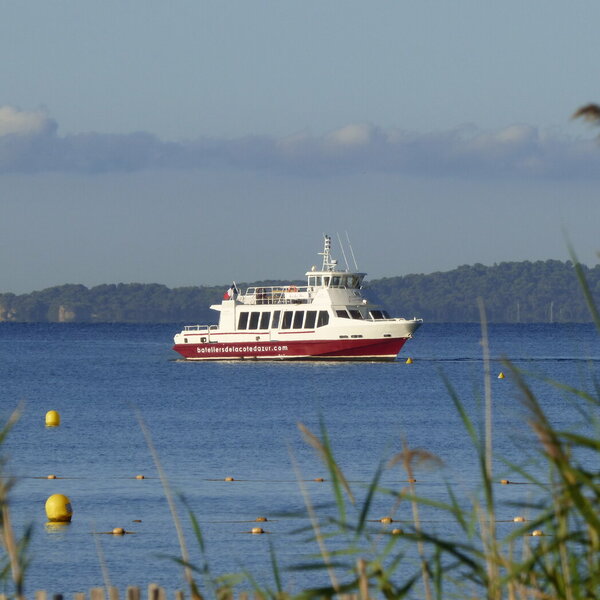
{"points": [[328, 319]]}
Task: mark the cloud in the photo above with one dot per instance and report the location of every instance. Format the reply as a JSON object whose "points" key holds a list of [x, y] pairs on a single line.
{"points": [[30, 143], [16, 122]]}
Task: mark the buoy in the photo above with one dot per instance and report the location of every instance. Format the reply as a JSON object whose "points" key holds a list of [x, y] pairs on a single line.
{"points": [[257, 530], [118, 531], [537, 533], [397, 531], [411, 480], [229, 479], [139, 477], [52, 418], [504, 481], [51, 476], [261, 519], [519, 519], [58, 508], [409, 361], [386, 520], [501, 376], [319, 479]]}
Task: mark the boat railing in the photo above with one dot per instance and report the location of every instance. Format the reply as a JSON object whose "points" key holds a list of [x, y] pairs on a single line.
{"points": [[200, 328], [392, 319], [196, 328], [289, 294]]}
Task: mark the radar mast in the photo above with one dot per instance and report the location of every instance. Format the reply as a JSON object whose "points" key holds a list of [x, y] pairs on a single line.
{"points": [[329, 264]]}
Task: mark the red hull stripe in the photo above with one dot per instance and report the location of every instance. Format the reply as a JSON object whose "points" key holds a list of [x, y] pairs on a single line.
{"points": [[315, 349]]}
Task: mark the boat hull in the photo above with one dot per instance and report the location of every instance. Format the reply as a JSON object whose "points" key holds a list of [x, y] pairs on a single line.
{"points": [[359, 349]]}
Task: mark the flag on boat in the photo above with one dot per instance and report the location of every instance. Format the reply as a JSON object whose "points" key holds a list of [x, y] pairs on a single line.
{"points": [[231, 292]]}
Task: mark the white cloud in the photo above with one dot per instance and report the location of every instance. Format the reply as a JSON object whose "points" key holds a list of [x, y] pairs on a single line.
{"points": [[16, 122], [352, 135], [29, 143]]}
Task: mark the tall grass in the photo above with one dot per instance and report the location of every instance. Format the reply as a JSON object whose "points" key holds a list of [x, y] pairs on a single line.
{"points": [[14, 559], [555, 554]]}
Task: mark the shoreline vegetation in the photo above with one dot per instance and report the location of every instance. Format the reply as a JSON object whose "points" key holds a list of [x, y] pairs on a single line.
{"points": [[513, 292]]}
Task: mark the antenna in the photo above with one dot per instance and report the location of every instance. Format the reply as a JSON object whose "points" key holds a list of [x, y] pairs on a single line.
{"points": [[343, 253], [351, 251]]}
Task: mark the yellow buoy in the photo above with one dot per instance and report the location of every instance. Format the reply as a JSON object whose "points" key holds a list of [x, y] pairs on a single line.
{"points": [[139, 477], [261, 519], [537, 532], [397, 531], [257, 530], [118, 531], [51, 476], [409, 361], [501, 375], [52, 418], [58, 508], [229, 479], [386, 520], [519, 519], [504, 481], [319, 479]]}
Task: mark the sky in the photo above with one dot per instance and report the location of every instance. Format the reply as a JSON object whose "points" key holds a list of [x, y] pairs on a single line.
{"points": [[203, 142]]}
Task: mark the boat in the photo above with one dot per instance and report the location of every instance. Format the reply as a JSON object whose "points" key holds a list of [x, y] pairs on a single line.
{"points": [[326, 319]]}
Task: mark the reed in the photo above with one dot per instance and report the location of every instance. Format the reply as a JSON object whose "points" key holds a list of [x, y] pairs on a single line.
{"points": [[476, 562], [14, 559]]}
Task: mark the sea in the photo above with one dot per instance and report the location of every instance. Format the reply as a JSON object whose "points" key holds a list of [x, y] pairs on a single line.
{"points": [[237, 441]]}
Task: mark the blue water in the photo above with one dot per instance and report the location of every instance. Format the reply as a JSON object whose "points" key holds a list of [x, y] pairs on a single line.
{"points": [[209, 421]]}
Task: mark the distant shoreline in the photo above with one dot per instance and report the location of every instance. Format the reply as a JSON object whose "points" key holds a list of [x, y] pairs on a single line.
{"points": [[513, 292]]}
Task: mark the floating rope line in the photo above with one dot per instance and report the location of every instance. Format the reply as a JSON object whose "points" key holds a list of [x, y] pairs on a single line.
{"points": [[48, 477], [233, 479], [507, 482], [228, 479], [259, 520]]}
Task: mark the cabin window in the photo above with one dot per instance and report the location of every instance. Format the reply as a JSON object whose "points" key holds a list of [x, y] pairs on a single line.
{"points": [[311, 281], [355, 314], [326, 281], [254, 316], [376, 314], [311, 317], [385, 314], [243, 320], [287, 319], [298, 318], [343, 313], [276, 315], [335, 281], [323, 318], [264, 320], [319, 281]]}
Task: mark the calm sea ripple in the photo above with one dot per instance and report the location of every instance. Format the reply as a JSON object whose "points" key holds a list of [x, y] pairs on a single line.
{"points": [[211, 421]]}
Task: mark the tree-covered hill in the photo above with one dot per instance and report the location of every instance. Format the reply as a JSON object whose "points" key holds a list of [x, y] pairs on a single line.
{"points": [[525, 292]]}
